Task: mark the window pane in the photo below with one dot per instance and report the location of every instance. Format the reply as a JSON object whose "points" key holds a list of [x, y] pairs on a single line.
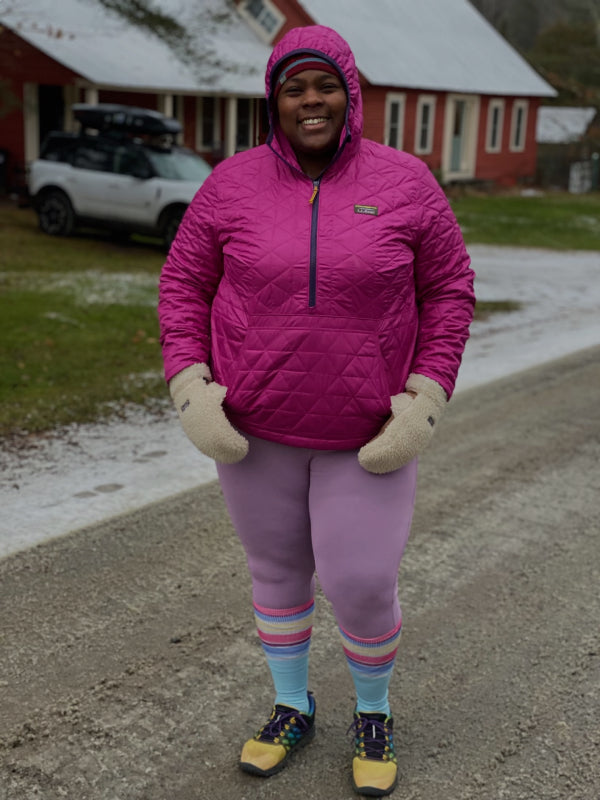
{"points": [[424, 132], [99, 159], [243, 124], [459, 111], [519, 127], [254, 7], [494, 128], [208, 121], [269, 21]]}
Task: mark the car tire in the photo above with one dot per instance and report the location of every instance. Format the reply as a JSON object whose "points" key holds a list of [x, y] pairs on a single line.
{"points": [[55, 213], [170, 225]]}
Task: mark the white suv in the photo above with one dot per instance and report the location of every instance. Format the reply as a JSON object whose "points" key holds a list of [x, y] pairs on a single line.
{"points": [[121, 172]]}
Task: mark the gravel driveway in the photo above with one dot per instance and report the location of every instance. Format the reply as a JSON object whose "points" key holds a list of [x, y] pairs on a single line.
{"points": [[129, 667]]}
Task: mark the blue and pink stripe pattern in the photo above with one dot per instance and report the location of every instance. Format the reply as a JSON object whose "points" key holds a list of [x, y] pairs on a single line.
{"points": [[285, 633], [372, 657]]}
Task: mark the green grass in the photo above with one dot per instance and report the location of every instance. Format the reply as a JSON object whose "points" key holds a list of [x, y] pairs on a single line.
{"points": [[557, 221], [485, 308], [78, 325]]}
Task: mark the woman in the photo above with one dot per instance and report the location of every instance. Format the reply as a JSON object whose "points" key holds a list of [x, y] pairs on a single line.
{"points": [[314, 309]]}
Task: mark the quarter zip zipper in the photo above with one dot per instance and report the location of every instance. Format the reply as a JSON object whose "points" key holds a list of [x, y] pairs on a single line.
{"points": [[312, 275]]}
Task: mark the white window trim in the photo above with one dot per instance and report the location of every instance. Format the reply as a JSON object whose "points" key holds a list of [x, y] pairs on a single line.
{"points": [[400, 98], [216, 142], [425, 99], [489, 145], [518, 147], [254, 23], [31, 112], [230, 126], [165, 104], [70, 94]]}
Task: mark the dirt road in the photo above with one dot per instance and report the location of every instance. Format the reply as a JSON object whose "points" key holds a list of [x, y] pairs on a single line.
{"points": [[129, 668]]}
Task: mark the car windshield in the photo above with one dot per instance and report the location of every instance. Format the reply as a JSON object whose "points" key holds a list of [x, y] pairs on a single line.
{"points": [[179, 165]]}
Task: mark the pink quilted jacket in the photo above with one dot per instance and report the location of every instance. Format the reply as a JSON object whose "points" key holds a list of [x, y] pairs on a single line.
{"points": [[313, 310]]}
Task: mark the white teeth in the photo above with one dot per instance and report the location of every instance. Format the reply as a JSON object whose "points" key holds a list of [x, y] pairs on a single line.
{"points": [[314, 121]]}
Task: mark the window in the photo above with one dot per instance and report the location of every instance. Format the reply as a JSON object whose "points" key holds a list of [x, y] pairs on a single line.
{"points": [[131, 161], [245, 124], [425, 122], [518, 131], [263, 16], [98, 156], [394, 120], [495, 122], [208, 124]]}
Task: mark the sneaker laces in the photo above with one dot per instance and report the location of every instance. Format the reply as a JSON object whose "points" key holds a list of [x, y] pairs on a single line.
{"points": [[281, 719], [373, 736]]}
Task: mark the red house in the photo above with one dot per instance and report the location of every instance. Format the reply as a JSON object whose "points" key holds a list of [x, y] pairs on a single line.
{"points": [[437, 79]]}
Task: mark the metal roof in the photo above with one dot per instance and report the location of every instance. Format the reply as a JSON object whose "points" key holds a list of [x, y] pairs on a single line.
{"points": [[561, 124], [443, 45], [218, 52], [429, 44]]}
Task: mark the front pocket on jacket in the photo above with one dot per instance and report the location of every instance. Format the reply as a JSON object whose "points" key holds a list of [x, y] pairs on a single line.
{"points": [[298, 366]]}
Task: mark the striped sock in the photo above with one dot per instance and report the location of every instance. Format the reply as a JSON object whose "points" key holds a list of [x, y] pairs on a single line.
{"points": [[371, 662], [285, 637]]}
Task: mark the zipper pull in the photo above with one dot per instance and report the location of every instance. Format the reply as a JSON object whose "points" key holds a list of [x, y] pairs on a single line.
{"points": [[315, 192]]}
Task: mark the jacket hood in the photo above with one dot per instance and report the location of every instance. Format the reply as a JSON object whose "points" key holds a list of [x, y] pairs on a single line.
{"points": [[328, 44]]}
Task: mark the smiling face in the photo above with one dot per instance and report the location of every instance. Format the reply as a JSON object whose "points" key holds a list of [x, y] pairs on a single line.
{"points": [[312, 107]]}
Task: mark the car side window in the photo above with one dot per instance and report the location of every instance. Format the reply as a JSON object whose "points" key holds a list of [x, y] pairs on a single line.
{"points": [[129, 161], [98, 157], [57, 148], [56, 153]]}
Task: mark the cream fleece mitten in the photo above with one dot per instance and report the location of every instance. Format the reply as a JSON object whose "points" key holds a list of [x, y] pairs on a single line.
{"points": [[415, 413], [199, 403]]}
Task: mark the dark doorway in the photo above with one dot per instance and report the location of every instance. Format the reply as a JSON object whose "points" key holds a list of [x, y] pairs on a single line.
{"points": [[51, 106]]}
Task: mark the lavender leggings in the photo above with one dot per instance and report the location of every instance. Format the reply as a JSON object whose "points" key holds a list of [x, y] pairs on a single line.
{"points": [[298, 511]]}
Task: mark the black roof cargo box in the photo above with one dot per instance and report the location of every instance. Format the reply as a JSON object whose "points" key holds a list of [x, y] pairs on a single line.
{"points": [[126, 119]]}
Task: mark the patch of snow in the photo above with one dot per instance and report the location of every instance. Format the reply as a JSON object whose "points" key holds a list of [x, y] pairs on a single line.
{"points": [[560, 312], [91, 286], [83, 474]]}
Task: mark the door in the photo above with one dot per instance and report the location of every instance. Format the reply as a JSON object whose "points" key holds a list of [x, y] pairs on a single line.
{"points": [[104, 183], [459, 155]]}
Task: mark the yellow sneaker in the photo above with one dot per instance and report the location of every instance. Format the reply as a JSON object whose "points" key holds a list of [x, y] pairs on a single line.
{"points": [[286, 731], [374, 768]]}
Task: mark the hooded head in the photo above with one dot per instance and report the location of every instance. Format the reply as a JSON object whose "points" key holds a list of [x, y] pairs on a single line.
{"points": [[314, 47]]}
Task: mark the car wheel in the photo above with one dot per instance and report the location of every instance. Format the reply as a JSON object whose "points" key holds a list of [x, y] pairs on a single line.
{"points": [[170, 225], [55, 213]]}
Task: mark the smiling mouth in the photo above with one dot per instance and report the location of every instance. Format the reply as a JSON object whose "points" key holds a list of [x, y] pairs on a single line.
{"points": [[314, 121]]}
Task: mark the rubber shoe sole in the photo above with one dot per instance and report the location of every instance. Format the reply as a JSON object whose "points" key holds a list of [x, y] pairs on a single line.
{"points": [[252, 769], [371, 791]]}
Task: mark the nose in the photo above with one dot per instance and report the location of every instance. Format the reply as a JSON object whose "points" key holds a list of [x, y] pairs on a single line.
{"points": [[312, 96]]}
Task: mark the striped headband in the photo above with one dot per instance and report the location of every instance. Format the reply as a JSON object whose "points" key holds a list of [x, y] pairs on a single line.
{"points": [[299, 64]]}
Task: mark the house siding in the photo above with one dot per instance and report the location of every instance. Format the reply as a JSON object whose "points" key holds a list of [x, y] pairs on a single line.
{"points": [[507, 167], [20, 64], [504, 167]]}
